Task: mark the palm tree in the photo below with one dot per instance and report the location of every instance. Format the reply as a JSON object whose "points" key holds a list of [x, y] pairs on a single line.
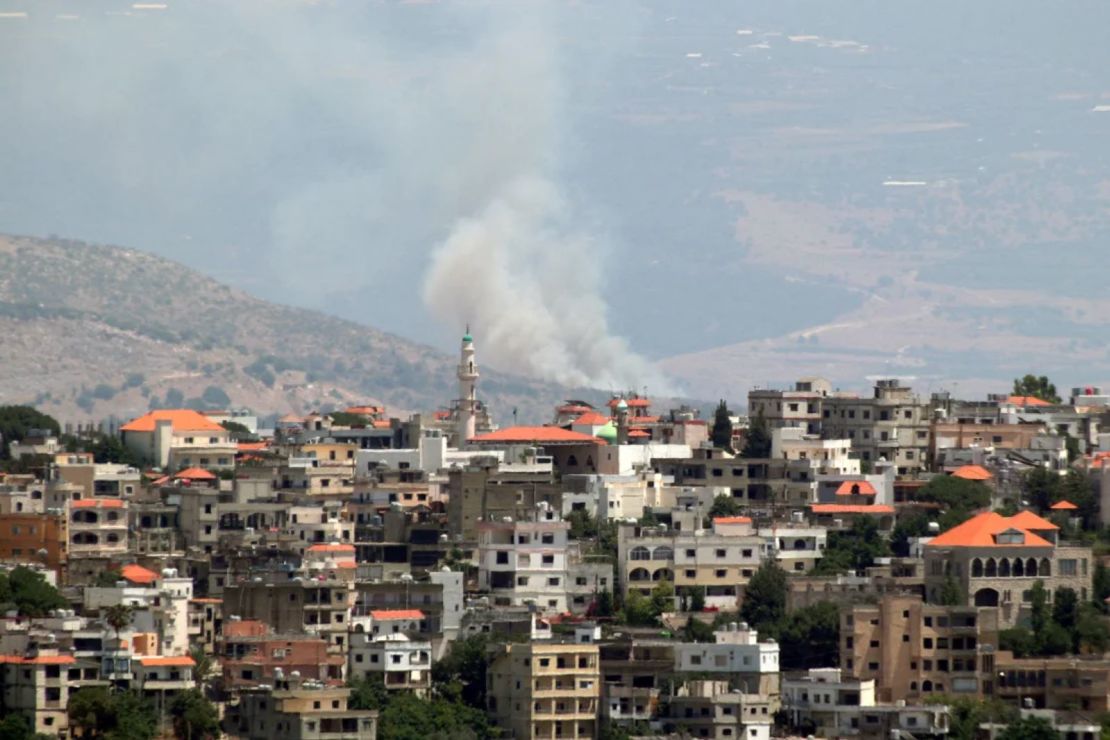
{"points": [[118, 616], [204, 668]]}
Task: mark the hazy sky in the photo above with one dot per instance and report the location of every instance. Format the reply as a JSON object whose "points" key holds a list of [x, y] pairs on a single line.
{"points": [[322, 153]]}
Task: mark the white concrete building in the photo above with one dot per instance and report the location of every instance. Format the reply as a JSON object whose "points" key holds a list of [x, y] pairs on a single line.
{"points": [[403, 663]]}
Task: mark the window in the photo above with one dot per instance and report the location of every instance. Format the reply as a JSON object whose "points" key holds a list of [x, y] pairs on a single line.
{"points": [[549, 560], [1068, 567], [721, 553], [690, 553], [720, 573], [502, 558], [552, 581]]}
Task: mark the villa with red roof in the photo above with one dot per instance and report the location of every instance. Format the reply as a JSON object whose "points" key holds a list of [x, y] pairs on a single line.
{"points": [[995, 560], [180, 438]]}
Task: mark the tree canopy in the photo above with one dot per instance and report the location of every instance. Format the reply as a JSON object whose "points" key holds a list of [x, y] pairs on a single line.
{"points": [[1029, 728], [194, 717], [852, 549], [757, 442], [17, 421], [28, 591], [725, 505], [721, 434], [1037, 387], [103, 715], [765, 596]]}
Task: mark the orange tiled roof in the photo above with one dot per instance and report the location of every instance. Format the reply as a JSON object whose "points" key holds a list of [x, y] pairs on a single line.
{"points": [[346, 564], [1026, 519], [526, 434], [1063, 506], [633, 403], [149, 661], [980, 531], [592, 418], [331, 548], [138, 574], [183, 420], [364, 409], [856, 488], [97, 503], [732, 520], [638, 433], [252, 446], [397, 614], [1026, 401], [972, 472], [195, 474], [382, 424], [644, 420], [852, 509], [38, 659]]}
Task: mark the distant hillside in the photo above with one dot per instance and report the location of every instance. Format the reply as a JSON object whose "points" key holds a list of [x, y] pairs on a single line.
{"points": [[87, 331]]}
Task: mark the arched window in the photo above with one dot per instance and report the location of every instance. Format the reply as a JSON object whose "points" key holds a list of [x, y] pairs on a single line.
{"points": [[977, 568], [85, 517], [1019, 568], [1004, 568], [663, 553], [1031, 567], [1046, 567], [986, 597], [926, 685], [86, 538], [572, 461], [639, 553], [663, 574], [991, 569], [799, 544], [639, 574]]}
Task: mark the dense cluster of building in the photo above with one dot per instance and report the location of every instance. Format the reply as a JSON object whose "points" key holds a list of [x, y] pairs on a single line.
{"points": [[333, 548]]}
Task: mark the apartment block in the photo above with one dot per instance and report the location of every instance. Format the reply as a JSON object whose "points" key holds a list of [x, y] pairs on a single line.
{"points": [[545, 690]]}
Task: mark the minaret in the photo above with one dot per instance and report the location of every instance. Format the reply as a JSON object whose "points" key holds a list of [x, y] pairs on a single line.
{"points": [[468, 382]]}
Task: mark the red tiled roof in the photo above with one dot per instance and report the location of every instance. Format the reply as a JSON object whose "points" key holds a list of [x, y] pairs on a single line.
{"points": [[183, 420], [331, 548], [573, 409], [1026, 401], [972, 472], [442, 415], [382, 424], [527, 434], [252, 446], [980, 531], [638, 433], [138, 574], [397, 614], [364, 409], [97, 503], [643, 420], [1063, 506], [38, 659], [592, 418], [149, 661], [856, 488], [732, 520], [194, 474], [851, 509]]}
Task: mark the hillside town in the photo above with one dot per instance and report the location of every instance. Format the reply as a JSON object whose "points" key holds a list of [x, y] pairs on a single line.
{"points": [[826, 564]]}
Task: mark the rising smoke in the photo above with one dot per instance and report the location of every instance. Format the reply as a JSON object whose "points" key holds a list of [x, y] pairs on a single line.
{"points": [[309, 151]]}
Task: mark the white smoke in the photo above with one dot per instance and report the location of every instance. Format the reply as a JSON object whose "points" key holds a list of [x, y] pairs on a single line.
{"points": [[530, 285]]}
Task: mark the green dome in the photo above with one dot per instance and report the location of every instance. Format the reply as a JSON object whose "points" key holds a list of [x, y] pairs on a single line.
{"points": [[467, 337], [622, 405], [607, 432]]}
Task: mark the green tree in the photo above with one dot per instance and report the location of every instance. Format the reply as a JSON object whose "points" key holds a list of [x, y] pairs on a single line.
{"points": [[1019, 640], [809, 637], [1041, 488], [1065, 608], [1091, 631], [721, 434], [908, 527], [696, 598], [1100, 585], [582, 525], [1038, 608], [638, 610], [194, 717], [662, 597], [368, 692], [239, 433], [17, 421], [1029, 728], [1037, 387], [463, 670], [725, 505], [697, 631], [98, 715], [954, 493], [109, 578], [204, 670], [118, 616], [765, 595], [950, 592], [406, 717], [17, 726], [28, 591], [603, 604], [852, 549], [1053, 640], [757, 441], [965, 714]]}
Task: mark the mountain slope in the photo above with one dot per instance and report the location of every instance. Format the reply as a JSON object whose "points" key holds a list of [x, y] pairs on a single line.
{"points": [[88, 331]]}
